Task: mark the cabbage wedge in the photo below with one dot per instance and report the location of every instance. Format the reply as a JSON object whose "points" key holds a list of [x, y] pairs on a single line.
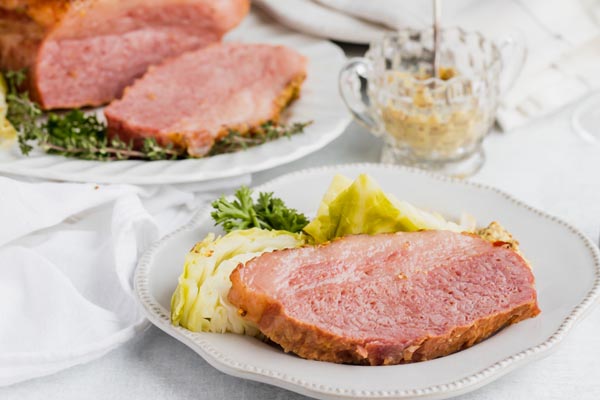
{"points": [[363, 207], [199, 302]]}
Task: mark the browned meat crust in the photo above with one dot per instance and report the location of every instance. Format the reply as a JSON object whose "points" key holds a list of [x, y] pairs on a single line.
{"points": [[42, 12]]}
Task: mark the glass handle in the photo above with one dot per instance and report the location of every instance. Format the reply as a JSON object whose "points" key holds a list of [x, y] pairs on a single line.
{"points": [[354, 89], [513, 52]]}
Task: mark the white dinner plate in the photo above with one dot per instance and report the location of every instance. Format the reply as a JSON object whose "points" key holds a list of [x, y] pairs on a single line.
{"points": [[565, 263], [319, 102]]}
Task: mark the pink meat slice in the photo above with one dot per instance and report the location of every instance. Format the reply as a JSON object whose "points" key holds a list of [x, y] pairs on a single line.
{"points": [[194, 99], [385, 299], [84, 53]]}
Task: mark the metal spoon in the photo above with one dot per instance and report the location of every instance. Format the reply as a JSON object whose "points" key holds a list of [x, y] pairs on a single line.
{"points": [[437, 14]]}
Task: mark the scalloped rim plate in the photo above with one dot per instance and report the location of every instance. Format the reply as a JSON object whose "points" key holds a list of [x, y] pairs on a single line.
{"points": [[575, 260], [319, 102]]}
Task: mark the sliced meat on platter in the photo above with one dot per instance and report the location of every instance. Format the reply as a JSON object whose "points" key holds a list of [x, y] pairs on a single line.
{"points": [[195, 99], [84, 53]]}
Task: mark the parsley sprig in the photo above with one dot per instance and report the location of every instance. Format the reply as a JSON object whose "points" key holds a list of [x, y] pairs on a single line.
{"points": [[267, 212], [80, 135]]}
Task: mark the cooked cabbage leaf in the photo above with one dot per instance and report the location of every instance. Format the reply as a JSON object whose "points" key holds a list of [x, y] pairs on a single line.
{"points": [[321, 227], [363, 207], [200, 301]]}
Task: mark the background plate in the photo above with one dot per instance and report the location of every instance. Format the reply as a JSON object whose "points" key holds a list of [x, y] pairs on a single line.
{"points": [[566, 266], [319, 102]]}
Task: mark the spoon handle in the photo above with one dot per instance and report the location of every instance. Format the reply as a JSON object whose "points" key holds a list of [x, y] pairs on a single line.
{"points": [[437, 14]]}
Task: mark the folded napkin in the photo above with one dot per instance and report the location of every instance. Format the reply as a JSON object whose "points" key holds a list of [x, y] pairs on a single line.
{"points": [[67, 256], [563, 39]]}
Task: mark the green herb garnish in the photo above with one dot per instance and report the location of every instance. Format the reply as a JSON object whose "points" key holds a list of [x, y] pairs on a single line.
{"points": [[80, 135], [267, 212], [21, 112], [267, 132], [76, 134]]}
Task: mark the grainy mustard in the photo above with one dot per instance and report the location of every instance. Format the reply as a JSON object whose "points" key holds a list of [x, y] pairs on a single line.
{"points": [[424, 116]]}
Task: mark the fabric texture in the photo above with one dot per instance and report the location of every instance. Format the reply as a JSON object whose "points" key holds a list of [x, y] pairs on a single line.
{"points": [[67, 256], [562, 40]]}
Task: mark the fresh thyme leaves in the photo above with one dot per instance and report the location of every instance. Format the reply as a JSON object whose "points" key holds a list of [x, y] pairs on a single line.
{"points": [[80, 135], [76, 134], [267, 212], [14, 79], [267, 132], [21, 112]]}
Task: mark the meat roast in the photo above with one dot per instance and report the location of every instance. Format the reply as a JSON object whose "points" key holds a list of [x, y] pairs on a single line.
{"points": [[85, 52], [193, 100], [385, 299]]}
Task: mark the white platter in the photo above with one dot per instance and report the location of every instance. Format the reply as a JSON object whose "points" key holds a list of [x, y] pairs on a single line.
{"points": [[566, 266], [319, 102]]}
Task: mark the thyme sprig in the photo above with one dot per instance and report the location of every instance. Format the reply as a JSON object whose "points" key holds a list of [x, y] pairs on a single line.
{"points": [[235, 141], [81, 135], [21, 112]]}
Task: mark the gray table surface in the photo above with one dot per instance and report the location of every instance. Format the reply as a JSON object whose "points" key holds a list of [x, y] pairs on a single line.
{"points": [[156, 366]]}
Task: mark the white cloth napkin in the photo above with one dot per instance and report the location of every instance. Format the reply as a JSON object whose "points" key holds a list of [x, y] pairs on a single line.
{"points": [[562, 37], [67, 255]]}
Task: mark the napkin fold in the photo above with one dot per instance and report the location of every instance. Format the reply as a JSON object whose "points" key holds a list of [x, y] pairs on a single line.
{"points": [[562, 38], [67, 256]]}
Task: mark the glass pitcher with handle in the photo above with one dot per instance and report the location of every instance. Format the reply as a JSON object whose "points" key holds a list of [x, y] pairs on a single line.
{"points": [[435, 123]]}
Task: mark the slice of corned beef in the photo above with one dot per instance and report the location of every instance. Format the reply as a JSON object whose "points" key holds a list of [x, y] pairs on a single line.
{"points": [[385, 299], [195, 99], [85, 52]]}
